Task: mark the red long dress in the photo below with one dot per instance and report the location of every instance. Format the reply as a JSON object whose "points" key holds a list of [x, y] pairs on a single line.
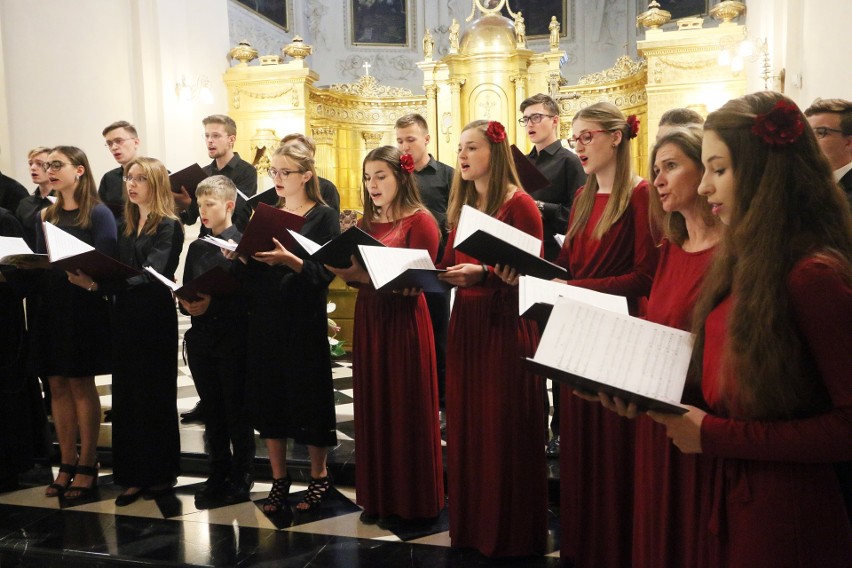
{"points": [[596, 458], [668, 529], [398, 463], [496, 467], [776, 499]]}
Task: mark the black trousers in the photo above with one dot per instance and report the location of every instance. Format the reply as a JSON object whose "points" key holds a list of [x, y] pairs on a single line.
{"points": [[220, 379]]}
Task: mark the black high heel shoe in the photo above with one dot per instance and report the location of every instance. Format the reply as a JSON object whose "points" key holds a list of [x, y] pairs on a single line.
{"points": [[318, 490], [277, 495], [75, 492], [56, 489]]}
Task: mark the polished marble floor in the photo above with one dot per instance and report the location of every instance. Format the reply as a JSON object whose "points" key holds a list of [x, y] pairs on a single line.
{"points": [[172, 531]]}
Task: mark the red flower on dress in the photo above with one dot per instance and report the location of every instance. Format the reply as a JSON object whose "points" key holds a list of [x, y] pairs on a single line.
{"points": [[633, 123], [781, 126], [495, 132], [406, 162]]}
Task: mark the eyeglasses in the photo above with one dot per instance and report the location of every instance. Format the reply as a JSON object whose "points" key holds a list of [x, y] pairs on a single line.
{"points": [[137, 179], [273, 173], [534, 118], [54, 166], [584, 138], [823, 131], [116, 142]]}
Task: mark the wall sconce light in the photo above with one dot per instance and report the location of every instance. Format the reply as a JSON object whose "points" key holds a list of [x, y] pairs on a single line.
{"points": [[734, 53], [189, 91], [447, 125]]}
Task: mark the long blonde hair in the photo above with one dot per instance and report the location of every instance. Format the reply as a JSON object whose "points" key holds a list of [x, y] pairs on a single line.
{"points": [[610, 119], [85, 194], [503, 175], [162, 202]]}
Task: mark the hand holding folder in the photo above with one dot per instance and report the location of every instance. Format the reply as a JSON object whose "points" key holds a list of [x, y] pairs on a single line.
{"points": [[393, 269], [188, 178], [268, 223], [492, 242]]}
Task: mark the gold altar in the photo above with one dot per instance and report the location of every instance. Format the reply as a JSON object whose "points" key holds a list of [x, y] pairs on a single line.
{"points": [[487, 73]]}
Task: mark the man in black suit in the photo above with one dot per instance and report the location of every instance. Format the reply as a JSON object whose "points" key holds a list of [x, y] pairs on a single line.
{"points": [[562, 167], [831, 120]]}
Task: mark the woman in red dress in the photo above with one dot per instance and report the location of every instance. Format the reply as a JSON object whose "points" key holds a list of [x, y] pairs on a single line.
{"points": [[773, 335], [398, 468], [608, 248], [495, 461], [668, 530]]}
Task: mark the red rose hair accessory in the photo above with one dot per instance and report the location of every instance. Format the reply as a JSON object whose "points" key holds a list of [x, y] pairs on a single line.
{"points": [[633, 123], [406, 162], [781, 126], [495, 132]]}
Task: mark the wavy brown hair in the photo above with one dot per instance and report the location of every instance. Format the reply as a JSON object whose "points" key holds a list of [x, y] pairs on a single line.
{"points": [[786, 206], [503, 175], [85, 194], [673, 225], [611, 119], [161, 200], [407, 191]]}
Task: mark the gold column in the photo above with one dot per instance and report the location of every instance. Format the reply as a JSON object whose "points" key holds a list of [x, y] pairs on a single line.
{"points": [[432, 115], [520, 82], [326, 158], [372, 140], [455, 104]]}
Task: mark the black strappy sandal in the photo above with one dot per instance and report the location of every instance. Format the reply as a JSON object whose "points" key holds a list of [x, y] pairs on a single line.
{"points": [[318, 490], [277, 496], [56, 489], [82, 491]]}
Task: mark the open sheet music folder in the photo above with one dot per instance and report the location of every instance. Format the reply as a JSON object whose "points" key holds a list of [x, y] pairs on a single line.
{"points": [[597, 350], [189, 178], [338, 251], [491, 242], [400, 268], [215, 282], [268, 223], [70, 253], [14, 250], [536, 298]]}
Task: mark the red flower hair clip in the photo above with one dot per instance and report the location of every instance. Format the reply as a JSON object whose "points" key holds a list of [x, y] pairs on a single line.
{"points": [[406, 162], [495, 132], [781, 126], [633, 123]]}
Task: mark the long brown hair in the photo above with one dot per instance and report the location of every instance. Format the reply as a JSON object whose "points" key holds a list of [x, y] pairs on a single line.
{"points": [[611, 119], [407, 191], [300, 153], [85, 194], [503, 175], [786, 206], [673, 224], [162, 202]]}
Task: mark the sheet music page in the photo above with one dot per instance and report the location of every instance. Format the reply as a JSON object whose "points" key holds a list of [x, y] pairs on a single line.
{"points": [[243, 195], [51, 198], [532, 290], [221, 243], [472, 220], [626, 352], [172, 285], [386, 263], [310, 246], [61, 244], [13, 245], [560, 240]]}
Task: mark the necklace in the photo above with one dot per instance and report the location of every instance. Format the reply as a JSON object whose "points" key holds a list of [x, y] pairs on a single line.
{"points": [[294, 209]]}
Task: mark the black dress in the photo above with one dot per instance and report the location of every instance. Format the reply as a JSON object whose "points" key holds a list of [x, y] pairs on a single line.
{"points": [[145, 441], [289, 388], [72, 326]]}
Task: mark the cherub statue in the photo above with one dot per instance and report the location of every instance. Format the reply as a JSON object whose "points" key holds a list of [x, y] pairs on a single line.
{"points": [[554, 33]]}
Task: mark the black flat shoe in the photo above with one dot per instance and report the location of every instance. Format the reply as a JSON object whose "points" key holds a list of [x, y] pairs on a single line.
{"points": [[368, 519], [151, 493], [194, 415], [127, 498]]}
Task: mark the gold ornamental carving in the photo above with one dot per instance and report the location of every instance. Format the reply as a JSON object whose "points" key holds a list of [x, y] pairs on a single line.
{"points": [[254, 94], [624, 68], [727, 11], [654, 17], [323, 134], [372, 140], [297, 49], [368, 87]]}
